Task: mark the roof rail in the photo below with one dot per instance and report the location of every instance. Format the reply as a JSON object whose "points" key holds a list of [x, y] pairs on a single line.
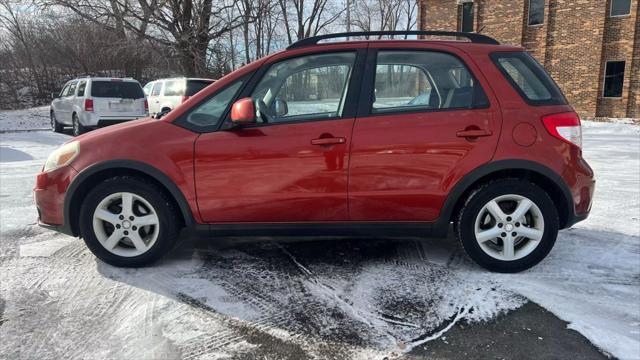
{"points": [[473, 37]]}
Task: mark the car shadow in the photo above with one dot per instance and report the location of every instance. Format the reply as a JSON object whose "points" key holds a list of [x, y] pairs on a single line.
{"points": [[8, 154]]}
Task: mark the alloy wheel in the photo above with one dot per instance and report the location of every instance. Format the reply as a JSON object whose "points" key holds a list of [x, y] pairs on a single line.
{"points": [[509, 227], [126, 224]]}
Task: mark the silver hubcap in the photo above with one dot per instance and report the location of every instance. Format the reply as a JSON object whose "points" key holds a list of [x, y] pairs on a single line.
{"points": [[509, 227], [126, 224]]}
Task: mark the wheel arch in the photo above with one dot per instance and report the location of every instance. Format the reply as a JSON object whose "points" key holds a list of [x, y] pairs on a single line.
{"points": [[535, 172], [85, 180]]}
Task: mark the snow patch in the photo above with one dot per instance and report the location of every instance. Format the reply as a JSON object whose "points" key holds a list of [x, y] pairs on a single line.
{"points": [[45, 248]]}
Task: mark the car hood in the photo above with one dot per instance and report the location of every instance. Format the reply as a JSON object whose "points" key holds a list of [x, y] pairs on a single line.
{"points": [[117, 128]]}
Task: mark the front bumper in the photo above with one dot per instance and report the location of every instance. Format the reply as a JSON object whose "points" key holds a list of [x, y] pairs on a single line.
{"points": [[49, 196]]}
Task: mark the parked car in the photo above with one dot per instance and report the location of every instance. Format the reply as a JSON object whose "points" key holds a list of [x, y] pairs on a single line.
{"points": [[92, 102], [327, 139], [166, 94]]}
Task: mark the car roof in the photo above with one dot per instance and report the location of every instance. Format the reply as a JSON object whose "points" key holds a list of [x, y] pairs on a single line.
{"points": [[465, 40], [374, 42], [93, 78], [184, 78]]}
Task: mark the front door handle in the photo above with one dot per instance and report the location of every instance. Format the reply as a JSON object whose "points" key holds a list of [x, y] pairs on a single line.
{"points": [[328, 141], [473, 133]]}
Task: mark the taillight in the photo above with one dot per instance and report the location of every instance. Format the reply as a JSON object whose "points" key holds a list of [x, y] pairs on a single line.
{"points": [[185, 98], [564, 126], [88, 104], [146, 105]]}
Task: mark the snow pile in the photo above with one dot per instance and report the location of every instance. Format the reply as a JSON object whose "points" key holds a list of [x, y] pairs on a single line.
{"points": [[26, 119]]}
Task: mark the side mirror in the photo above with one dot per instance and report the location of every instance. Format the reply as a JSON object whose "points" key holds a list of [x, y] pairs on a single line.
{"points": [[55, 95], [280, 107], [162, 113], [243, 112]]}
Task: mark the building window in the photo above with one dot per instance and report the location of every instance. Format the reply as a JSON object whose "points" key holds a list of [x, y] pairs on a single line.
{"points": [[536, 12], [620, 7], [613, 79], [467, 17]]}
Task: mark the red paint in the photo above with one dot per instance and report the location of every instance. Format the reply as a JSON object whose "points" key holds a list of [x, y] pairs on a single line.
{"points": [[396, 167], [274, 173]]}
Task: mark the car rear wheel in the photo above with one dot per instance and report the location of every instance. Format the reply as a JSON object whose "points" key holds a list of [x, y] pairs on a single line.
{"points": [[78, 128], [55, 125], [508, 225], [128, 222]]}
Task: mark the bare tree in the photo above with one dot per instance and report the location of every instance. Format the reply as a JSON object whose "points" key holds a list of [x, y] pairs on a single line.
{"points": [[186, 25], [305, 19], [389, 15]]}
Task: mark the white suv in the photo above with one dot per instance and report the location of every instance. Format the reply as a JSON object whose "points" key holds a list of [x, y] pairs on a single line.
{"points": [[92, 102], [166, 94]]}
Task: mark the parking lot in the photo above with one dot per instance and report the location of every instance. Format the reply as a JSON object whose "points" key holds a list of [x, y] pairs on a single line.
{"points": [[315, 297]]}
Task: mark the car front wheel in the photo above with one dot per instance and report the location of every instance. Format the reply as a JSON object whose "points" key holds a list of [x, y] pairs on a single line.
{"points": [[508, 225], [128, 222]]}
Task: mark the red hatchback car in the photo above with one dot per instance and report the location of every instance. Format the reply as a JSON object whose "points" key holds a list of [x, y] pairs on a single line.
{"points": [[394, 137]]}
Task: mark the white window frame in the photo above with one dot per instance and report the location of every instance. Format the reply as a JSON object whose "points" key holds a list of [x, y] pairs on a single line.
{"points": [[621, 15], [604, 79], [544, 3]]}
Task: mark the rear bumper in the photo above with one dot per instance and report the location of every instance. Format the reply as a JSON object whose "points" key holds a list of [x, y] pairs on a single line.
{"points": [[581, 181], [96, 120]]}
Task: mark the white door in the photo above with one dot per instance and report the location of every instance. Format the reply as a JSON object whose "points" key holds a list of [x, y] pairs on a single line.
{"points": [[66, 102], [154, 98]]}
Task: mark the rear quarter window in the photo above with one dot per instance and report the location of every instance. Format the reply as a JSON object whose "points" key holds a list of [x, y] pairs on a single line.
{"points": [[116, 89], [528, 78]]}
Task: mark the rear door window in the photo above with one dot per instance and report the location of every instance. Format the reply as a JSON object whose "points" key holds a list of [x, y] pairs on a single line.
{"points": [[529, 78], [81, 87], [194, 86], [116, 89], [72, 89], [423, 81], [174, 88]]}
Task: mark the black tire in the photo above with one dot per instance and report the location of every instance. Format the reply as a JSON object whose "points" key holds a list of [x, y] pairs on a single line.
{"points": [[55, 125], [465, 223], [78, 128], [167, 215]]}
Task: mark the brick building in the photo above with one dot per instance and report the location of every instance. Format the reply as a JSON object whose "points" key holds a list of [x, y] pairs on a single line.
{"points": [[590, 47]]}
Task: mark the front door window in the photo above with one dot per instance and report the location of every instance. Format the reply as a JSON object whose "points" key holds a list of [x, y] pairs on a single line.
{"points": [[305, 88]]}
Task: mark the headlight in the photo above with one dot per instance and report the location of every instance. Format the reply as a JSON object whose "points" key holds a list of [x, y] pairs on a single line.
{"points": [[62, 156]]}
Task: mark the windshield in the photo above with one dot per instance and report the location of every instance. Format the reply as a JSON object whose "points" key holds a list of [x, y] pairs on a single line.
{"points": [[117, 89]]}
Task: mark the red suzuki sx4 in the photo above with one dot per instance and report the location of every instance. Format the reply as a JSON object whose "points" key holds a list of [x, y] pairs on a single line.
{"points": [[393, 137]]}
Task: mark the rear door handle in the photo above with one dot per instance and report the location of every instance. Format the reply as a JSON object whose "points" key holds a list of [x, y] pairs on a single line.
{"points": [[328, 141], [473, 133]]}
